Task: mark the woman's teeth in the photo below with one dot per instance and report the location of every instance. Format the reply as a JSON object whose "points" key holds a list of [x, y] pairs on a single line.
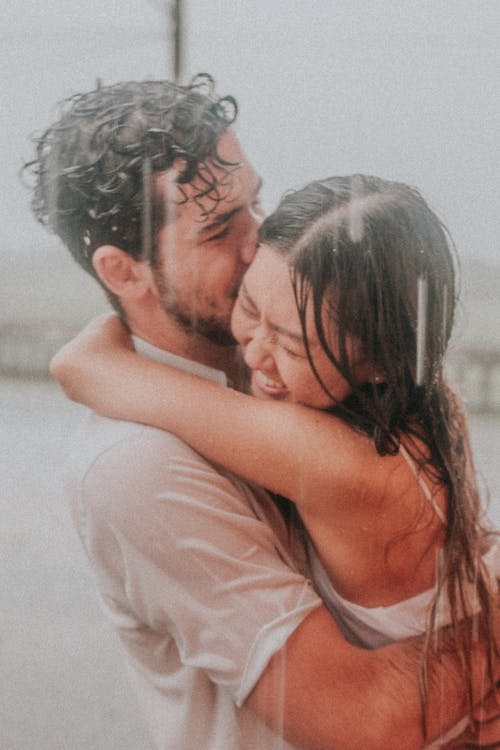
{"points": [[271, 383]]}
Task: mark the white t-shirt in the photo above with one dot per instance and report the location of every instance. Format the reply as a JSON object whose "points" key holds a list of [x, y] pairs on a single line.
{"points": [[195, 572]]}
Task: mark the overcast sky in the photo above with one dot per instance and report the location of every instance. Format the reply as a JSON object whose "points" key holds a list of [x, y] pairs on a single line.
{"points": [[407, 90]]}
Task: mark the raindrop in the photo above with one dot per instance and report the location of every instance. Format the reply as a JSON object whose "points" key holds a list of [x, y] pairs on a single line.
{"points": [[421, 328], [147, 223]]}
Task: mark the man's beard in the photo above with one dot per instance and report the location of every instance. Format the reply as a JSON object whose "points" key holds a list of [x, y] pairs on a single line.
{"points": [[208, 326]]}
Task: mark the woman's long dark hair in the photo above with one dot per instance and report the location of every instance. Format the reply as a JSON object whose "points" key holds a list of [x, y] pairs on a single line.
{"points": [[358, 249]]}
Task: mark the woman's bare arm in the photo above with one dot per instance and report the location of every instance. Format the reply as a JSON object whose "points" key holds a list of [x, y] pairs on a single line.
{"points": [[336, 695], [290, 449]]}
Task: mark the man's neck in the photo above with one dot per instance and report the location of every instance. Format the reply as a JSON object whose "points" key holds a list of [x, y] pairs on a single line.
{"points": [[172, 338]]}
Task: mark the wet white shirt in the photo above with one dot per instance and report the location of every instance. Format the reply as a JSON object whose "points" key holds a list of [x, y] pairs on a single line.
{"points": [[195, 571]]}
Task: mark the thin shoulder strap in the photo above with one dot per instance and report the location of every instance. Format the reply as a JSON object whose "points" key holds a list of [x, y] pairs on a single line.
{"points": [[422, 484]]}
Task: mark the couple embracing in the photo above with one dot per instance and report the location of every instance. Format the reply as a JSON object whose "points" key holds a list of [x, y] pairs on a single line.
{"points": [[282, 513]]}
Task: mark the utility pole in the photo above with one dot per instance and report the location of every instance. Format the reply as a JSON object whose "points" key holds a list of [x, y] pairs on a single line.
{"points": [[173, 13], [177, 14]]}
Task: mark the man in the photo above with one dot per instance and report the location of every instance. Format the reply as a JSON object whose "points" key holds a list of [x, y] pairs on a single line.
{"points": [[229, 646]]}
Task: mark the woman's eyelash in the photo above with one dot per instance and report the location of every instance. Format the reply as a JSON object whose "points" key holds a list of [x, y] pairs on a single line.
{"points": [[291, 352], [219, 235], [251, 312]]}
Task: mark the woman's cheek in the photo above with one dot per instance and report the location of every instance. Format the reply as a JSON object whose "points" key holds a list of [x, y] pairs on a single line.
{"points": [[286, 372]]}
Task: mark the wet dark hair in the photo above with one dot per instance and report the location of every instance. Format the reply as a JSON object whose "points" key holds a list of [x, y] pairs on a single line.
{"points": [[95, 164], [357, 247]]}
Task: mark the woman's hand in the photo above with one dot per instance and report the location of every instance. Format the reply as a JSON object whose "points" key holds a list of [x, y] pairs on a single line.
{"points": [[99, 347]]}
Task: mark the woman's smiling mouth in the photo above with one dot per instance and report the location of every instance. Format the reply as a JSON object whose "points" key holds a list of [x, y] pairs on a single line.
{"points": [[268, 386]]}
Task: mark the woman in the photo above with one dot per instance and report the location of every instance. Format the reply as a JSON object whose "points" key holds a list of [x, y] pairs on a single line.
{"points": [[347, 308]]}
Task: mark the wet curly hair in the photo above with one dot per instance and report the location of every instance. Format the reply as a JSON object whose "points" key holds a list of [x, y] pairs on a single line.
{"points": [[94, 167]]}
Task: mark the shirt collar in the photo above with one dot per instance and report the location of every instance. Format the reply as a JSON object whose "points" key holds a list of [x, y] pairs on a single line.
{"points": [[145, 349]]}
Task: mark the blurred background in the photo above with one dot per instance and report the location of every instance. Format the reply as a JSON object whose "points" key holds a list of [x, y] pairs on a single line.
{"points": [[404, 90]]}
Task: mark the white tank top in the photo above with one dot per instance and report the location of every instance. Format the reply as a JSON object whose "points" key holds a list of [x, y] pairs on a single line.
{"points": [[372, 627]]}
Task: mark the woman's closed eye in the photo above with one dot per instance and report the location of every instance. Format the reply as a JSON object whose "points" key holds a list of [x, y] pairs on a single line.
{"points": [[246, 307], [291, 352], [222, 233]]}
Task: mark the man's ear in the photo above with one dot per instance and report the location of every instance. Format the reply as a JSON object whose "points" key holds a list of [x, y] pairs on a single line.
{"points": [[120, 273]]}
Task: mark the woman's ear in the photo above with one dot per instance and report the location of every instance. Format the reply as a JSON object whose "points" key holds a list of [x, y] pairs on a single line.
{"points": [[366, 373], [121, 273]]}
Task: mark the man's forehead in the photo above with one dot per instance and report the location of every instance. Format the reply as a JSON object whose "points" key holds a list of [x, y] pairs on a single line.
{"points": [[203, 204], [207, 205], [215, 193]]}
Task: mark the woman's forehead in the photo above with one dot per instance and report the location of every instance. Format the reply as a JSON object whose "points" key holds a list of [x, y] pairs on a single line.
{"points": [[268, 280], [268, 285]]}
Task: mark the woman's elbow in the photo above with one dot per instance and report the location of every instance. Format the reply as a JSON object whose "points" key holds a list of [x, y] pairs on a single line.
{"points": [[62, 369]]}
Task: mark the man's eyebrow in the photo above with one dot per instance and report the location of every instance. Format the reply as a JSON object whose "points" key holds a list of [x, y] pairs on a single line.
{"points": [[221, 219]]}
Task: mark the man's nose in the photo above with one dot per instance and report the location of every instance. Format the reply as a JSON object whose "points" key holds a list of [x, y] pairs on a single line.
{"points": [[248, 251], [249, 241]]}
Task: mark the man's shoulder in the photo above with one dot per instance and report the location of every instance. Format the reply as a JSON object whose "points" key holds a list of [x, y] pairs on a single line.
{"points": [[122, 475], [125, 478], [128, 466], [98, 440]]}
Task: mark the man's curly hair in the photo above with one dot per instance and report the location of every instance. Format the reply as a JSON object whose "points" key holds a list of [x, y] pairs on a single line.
{"points": [[94, 166]]}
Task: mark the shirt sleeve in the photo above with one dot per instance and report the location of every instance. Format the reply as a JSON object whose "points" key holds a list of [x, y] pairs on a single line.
{"points": [[178, 547]]}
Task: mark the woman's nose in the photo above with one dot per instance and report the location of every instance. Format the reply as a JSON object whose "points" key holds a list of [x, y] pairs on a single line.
{"points": [[257, 353]]}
